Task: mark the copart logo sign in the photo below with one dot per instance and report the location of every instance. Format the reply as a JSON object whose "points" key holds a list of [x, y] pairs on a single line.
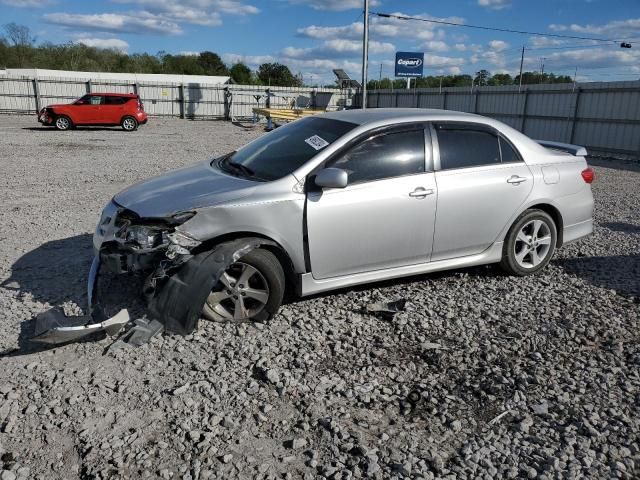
{"points": [[409, 64]]}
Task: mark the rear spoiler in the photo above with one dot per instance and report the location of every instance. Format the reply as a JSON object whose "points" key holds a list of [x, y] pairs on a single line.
{"points": [[574, 150]]}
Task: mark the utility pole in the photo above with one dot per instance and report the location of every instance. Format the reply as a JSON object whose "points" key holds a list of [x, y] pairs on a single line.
{"points": [[542, 70], [365, 53], [521, 65]]}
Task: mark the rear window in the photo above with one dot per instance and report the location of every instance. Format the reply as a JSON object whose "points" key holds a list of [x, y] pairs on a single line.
{"points": [[116, 100], [462, 147], [286, 148]]}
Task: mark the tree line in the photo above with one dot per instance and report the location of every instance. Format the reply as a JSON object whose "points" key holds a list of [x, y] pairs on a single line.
{"points": [[18, 49], [481, 78]]}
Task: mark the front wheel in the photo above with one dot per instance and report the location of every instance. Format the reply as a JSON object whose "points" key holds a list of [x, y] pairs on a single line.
{"points": [[129, 124], [530, 243], [250, 289], [63, 123]]}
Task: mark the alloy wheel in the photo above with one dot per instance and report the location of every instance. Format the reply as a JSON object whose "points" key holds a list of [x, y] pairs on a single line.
{"points": [[533, 244], [129, 124], [241, 293], [62, 123]]}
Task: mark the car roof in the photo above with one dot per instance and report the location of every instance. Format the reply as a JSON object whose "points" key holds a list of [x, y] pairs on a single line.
{"points": [[108, 94], [374, 115], [380, 117]]}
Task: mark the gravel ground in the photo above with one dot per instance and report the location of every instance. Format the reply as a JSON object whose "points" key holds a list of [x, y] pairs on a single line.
{"points": [[483, 375]]}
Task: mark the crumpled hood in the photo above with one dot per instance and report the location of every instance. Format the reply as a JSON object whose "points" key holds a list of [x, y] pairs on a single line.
{"points": [[183, 190]]}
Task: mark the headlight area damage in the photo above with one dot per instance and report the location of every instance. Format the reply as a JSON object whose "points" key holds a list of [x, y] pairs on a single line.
{"points": [[172, 263]]}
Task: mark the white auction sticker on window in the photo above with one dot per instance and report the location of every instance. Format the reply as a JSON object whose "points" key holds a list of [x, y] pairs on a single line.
{"points": [[317, 142]]}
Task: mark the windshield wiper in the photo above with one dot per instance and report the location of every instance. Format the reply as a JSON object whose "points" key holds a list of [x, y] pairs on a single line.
{"points": [[242, 168]]}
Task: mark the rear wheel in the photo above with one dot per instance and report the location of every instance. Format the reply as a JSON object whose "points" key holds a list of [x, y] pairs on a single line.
{"points": [[250, 289], [530, 243], [63, 122], [129, 124]]}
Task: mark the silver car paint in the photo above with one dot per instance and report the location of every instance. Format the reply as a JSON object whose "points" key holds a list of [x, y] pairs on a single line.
{"points": [[344, 253], [371, 225]]}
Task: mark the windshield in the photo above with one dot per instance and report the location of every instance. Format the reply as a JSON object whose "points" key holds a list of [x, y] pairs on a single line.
{"points": [[283, 150]]}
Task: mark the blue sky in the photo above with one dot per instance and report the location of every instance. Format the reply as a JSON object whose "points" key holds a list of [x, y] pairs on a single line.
{"points": [[314, 36]]}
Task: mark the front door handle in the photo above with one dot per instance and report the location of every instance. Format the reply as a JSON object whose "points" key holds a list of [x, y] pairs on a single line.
{"points": [[516, 180], [421, 192]]}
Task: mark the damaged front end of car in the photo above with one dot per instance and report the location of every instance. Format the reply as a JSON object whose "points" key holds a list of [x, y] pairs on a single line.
{"points": [[171, 262], [124, 243]]}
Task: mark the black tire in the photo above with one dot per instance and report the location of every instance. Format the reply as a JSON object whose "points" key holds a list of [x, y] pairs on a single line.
{"points": [[537, 252], [129, 124], [62, 123], [270, 272]]}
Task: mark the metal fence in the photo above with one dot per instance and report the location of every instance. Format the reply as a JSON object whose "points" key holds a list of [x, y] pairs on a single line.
{"points": [[188, 100], [604, 117]]}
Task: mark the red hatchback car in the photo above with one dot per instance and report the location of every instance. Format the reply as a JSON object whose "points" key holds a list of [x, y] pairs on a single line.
{"points": [[124, 109]]}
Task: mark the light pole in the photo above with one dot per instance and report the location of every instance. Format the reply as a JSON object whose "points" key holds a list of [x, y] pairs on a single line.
{"points": [[365, 53]]}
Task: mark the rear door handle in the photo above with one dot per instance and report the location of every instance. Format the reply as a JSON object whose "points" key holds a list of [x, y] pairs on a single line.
{"points": [[421, 192], [516, 180]]}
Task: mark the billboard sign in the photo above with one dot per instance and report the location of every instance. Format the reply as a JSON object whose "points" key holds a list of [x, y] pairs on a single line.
{"points": [[409, 64]]}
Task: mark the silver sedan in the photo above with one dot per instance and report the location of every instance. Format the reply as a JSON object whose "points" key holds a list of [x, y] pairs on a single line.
{"points": [[342, 199]]}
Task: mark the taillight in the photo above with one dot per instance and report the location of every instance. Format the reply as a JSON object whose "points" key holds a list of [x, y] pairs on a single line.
{"points": [[588, 175]]}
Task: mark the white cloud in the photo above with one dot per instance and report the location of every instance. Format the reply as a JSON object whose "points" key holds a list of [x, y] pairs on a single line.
{"points": [[333, 4], [252, 61], [190, 8], [435, 46], [381, 27], [614, 29], [495, 4], [541, 42], [108, 43], [592, 58], [498, 45], [113, 22], [189, 53], [163, 17], [338, 48], [27, 3]]}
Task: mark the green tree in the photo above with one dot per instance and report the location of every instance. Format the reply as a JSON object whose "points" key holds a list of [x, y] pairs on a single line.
{"points": [[212, 64], [241, 74], [482, 77], [501, 79], [277, 74], [20, 37]]}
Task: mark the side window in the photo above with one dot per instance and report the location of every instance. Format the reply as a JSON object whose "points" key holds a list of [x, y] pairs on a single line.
{"points": [[509, 155], [465, 147], [384, 156], [96, 100], [116, 100]]}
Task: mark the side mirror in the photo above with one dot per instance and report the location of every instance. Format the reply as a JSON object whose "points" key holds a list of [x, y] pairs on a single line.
{"points": [[332, 178]]}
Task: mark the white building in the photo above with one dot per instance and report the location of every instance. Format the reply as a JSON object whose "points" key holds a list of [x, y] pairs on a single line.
{"points": [[123, 77]]}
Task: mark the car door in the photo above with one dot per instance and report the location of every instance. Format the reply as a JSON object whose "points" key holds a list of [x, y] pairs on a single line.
{"points": [[87, 109], [112, 110], [482, 181], [384, 217]]}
